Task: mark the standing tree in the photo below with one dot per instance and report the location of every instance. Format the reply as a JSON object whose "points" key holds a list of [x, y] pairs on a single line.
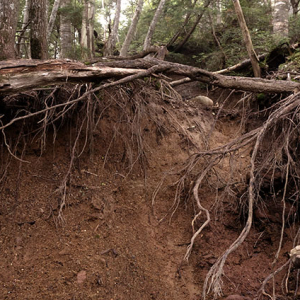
{"points": [[87, 29], [148, 39], [112, 39], [38, 32], [132, 28], [66, 38], [295, 6], [190, 32], [182, 28], [247, 39], [281, 18], [21, 45], [8, 25], [52, 17]]}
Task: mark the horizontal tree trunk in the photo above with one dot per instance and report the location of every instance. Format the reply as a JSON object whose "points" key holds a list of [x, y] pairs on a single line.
{"points": [[21, 75]]}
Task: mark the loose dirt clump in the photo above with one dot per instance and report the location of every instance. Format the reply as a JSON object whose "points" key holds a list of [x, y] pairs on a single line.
{"points": [[100, 200]]}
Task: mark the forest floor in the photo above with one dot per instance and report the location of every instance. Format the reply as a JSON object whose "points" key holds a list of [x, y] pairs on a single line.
{"points": [[114, 242]]}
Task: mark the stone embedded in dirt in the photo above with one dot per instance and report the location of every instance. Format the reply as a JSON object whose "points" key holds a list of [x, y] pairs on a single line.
{"points": [[237, 297], [295, 257], [203, 100], [81, 277], [19, 240]]}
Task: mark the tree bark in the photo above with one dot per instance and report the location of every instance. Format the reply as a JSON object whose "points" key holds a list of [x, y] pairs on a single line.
{"points": [[132, 29], [66, 38], [52, 18], [8, 25], [21, 75], [38, 32], [87, 29], [148, 39], [112, 39], [281, 18], [295, 6], [247, 39], [21, 47]]}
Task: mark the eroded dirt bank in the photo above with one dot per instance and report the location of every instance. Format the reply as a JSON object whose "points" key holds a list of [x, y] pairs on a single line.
{"points": [[112, 240]]}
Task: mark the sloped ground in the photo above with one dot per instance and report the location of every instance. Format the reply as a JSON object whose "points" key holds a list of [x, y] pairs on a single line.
{"points": [[113, 242]]}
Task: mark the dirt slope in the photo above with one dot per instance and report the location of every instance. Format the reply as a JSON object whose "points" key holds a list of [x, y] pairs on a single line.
{"points": [[113, 242]]}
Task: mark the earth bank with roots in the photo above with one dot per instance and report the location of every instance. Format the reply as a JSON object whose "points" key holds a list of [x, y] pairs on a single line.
{"points": [[138, 193]]}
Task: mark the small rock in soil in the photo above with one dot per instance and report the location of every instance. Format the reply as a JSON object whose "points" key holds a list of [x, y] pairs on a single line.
{"points": [[81, 277]]}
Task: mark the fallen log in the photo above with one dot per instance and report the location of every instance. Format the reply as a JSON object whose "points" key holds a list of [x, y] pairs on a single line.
{"points": [[21, 75]]}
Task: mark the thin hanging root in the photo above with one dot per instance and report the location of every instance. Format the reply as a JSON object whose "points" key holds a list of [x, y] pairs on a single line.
{"points": [[272, 275], [201, 208], [63, 187], [213, 281], [10, 152]]}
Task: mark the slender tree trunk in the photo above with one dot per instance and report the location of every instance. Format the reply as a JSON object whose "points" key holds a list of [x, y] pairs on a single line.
{"points": [[112, 39], [183, 27], [148, 39], [281, 18], [295, 6], [87, 29], [132, 28], [66, 38], [218, 6], [247, 39], [8, 25], [216, 38], [83, 40], [21, 47], [38, 33], [189, 34], [52, 18], [91, 18]]}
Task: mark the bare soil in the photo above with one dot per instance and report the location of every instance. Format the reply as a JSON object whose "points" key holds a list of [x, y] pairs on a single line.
{"points": [[113, 242]]}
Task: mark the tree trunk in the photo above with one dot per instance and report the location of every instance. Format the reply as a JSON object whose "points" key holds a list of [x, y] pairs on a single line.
{"points": [[91, 18], [112, 39], [66, 38], [148, 39], [8, 25], [21, 47], [193, 27], [281, 18], [132, 28], [247, 39], [87, 29], [38, 32], [52, 18], [295, 6], [183, 27]]}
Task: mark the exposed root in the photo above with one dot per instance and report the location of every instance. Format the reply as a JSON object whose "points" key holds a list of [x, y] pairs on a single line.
{"points": [[262, 290], [120, 116], [213, 281]]}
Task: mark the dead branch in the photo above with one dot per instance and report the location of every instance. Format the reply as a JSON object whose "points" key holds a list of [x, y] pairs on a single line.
{"points": [[153, 49], [240, 65]]}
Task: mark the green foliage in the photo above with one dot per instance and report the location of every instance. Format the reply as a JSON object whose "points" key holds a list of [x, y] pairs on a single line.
{"points": [[292, 64], [294, 28], [73, 13]]}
